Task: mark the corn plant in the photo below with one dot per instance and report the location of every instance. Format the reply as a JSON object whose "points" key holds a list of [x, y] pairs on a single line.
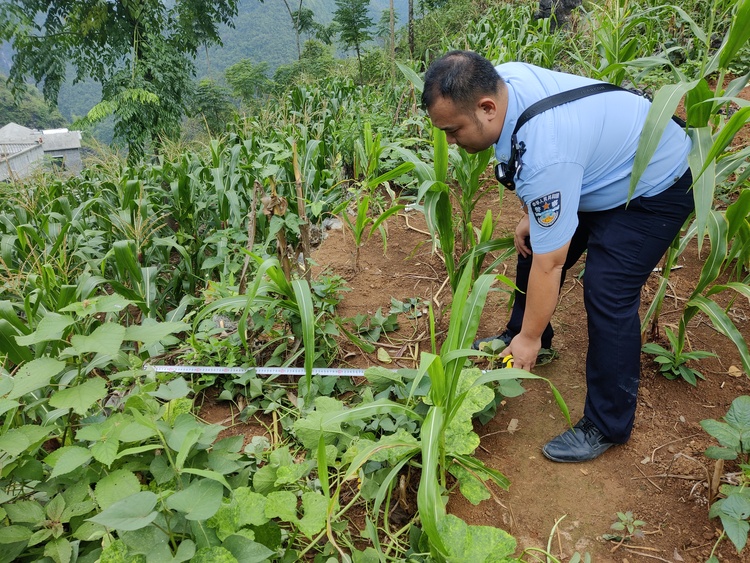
{"points": [[446, 441], [711, 134]]}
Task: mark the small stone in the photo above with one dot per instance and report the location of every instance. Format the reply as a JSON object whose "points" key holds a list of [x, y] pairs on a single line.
{"points": [[682, 419]]}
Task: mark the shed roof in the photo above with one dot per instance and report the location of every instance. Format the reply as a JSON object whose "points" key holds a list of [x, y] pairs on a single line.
{"points": [[18, 134]]}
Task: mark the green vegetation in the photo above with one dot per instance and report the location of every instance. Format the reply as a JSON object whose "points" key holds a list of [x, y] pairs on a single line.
{"points": [[200, 254]]}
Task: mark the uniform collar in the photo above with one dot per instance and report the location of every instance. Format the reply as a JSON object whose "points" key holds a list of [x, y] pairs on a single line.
{"points": [[502, 145]]}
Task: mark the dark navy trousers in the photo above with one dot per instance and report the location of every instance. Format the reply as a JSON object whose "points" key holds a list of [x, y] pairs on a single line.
{"points": [[623, 246]]}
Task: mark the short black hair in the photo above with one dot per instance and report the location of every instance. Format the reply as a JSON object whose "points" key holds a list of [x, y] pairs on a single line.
{"points": [[460, 76]]}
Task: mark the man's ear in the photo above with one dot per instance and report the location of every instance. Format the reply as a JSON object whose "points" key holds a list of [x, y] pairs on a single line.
{"points": [[488, 105]]}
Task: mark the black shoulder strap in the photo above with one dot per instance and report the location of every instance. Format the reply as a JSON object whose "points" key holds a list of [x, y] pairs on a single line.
{"points": [[563, 98]]}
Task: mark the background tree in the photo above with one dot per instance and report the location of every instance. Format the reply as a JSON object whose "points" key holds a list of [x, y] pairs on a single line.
{"points": [[211, 103], [142, 53], [247, 80], [354, 22]]}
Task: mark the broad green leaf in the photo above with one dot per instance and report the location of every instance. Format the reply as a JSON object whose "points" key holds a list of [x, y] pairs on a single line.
{"points": [[214, 554], [738, 414], [89, 531], [282, 505], [17, 440], [208, 474], [715, 452], [51, 327], [252, 507], [116, 486], [14, 534], [724, 433], [106, 339], [149, 541], [246, 550], [314, 510], [69, 458], [175, 389], [717, 232], [471, 485], [734, 513], [131, 513], [459, 436], [6, 405], [25, 512], [381, 378], [151, 331], [59, 550], [80, 397], [199, 501], [34, 375], [475, 543]]}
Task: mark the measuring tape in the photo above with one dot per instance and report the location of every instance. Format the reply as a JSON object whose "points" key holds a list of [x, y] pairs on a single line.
{"points": [[506, 362], [218, 370]]}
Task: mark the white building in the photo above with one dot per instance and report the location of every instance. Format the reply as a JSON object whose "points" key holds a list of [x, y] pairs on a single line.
{"points": [[23, 150]]}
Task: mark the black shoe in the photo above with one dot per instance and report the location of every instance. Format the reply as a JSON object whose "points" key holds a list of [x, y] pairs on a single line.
{"points": [[582, 443]]}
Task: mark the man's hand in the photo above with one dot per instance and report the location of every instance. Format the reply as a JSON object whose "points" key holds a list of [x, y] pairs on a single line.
{"points": [[519, 238], [524, 350]]}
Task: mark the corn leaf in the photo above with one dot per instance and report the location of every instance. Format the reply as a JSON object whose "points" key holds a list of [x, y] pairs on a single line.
{"points": [[724, 325], [738, 36], [429, 499]]}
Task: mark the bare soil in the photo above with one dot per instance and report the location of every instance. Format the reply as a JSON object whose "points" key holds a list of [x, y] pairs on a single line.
{"points": [[660, 475]]}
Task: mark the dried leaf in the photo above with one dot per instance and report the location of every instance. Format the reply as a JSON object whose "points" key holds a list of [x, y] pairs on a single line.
{"points": [[512, 425], [734, 371], [383, 356]]}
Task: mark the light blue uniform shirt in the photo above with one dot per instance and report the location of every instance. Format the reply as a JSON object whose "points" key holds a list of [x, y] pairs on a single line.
{"points": [[579, 156]]}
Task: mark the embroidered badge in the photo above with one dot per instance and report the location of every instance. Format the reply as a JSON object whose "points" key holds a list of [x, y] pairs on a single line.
{"points": [[546, 209]]}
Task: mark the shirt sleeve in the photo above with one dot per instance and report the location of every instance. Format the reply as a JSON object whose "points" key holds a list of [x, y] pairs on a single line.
{"points": [[552, 195]]}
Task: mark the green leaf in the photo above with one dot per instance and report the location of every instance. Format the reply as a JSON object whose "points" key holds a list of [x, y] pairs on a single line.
{"points": [[80, 397], [67, 459], [131, 513], [151, 331], [106, 339], [252, 507], [175, 389], [715, 452], [9, 344], [246, 550], [14, 534], [34, 375], [307, 318], [51, 327], [199, 501], [724, 325], [282, 505], [659, 115], [429, 499], [475, 543], [704, 176], [17, 440], [59, 550], [26, 512], [738, 35], [471, 485], [724, 433], [314, 510], [116, 486]]}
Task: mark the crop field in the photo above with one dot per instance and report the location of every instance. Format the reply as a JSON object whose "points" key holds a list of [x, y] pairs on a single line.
{"points": [[332, 226]]}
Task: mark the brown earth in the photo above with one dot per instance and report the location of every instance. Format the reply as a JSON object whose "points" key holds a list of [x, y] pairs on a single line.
{"points": [[660, 475]]}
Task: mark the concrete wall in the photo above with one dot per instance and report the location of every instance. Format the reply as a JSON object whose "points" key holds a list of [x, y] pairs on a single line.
{"points": [[21, 163]]}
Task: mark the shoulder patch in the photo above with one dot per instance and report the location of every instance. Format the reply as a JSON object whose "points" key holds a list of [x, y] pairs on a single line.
{"points": [[546, 209]]}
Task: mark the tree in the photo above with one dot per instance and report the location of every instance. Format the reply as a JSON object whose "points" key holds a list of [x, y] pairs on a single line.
{"points": [[247, 80], [211, 102], [353, 23], [141, 52]]}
